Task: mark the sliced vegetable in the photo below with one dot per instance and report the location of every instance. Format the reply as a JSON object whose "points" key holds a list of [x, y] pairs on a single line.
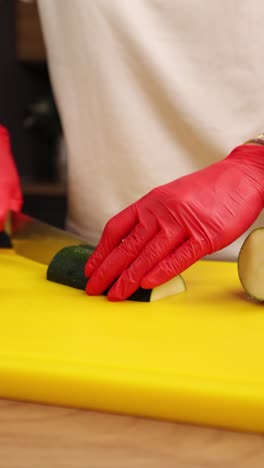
{"points": [[175, 285], [251, 264], [67, 267]]}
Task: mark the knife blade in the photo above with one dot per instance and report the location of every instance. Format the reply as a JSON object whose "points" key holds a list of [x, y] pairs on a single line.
{"points": [[39, 241]]}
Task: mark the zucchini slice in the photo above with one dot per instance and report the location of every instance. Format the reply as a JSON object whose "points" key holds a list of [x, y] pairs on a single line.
{"points": [[67, 267], [251, 264]]}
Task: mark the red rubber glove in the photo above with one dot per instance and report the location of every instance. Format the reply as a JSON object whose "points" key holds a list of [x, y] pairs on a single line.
{"points": [[10, 192], [176, 224]]}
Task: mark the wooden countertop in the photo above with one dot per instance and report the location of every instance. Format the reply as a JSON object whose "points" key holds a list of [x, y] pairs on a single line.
{"points": [[35, 436]]}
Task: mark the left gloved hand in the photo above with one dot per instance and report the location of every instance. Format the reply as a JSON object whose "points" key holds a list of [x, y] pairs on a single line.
{"points": [[10, 191], [176, 224]]}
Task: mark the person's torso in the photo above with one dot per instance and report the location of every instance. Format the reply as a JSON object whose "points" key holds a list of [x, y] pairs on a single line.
{"points": [[148, 91]]}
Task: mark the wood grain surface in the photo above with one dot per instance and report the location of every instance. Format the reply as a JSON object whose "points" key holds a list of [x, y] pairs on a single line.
{"points": [[35, 436]]}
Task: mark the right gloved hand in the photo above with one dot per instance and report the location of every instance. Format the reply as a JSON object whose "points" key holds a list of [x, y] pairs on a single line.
{"points": [[11, 198], [174, 225]]}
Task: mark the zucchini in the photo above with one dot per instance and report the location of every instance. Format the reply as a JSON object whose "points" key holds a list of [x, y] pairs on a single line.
{"points": [[67, 267], [250, 264]]}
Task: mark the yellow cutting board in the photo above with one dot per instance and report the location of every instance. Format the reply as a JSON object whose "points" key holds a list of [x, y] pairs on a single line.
{"points": [[196, 357]]}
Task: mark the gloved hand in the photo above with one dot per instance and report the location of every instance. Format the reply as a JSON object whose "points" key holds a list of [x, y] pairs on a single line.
{"points": [[176, 224], [10, 192]]}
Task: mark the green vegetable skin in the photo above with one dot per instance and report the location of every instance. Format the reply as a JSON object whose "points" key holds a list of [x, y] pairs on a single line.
{"points": [[67, 267], [251, 264]]}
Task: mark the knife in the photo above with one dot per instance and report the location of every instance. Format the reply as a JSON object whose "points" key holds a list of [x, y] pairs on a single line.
{"points": [[38, 241]]}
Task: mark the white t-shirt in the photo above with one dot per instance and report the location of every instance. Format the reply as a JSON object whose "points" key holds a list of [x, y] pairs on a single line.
{"points": [[148, 91]]}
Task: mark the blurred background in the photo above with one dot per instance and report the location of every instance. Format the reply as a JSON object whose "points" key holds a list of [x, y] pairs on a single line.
{"points": [[28, 110]]}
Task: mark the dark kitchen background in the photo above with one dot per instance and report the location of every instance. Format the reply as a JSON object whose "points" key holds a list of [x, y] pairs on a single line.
{"points": [[28, 110]]}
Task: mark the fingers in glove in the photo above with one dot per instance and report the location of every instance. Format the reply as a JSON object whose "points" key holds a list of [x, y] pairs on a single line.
{"points": [[4, 138], [16, 201], [115, 230], [156, 250], [4, 209], [175, 263], [122, 257]]}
